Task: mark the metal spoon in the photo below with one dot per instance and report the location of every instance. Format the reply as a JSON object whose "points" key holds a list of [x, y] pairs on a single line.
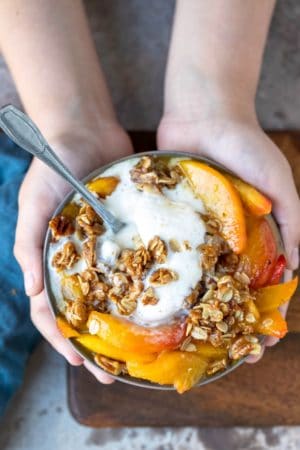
{"points": [[20, 129]]}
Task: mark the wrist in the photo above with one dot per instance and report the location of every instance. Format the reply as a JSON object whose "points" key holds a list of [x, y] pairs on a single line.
{"points": [[191, 95]]}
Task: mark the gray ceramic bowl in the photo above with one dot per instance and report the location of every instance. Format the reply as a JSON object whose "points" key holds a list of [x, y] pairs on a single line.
{"points": [[51, 298]]}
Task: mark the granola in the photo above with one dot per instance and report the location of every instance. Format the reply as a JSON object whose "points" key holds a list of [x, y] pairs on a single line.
{"points": [[65, 258], [61, 226], [218, 306]]}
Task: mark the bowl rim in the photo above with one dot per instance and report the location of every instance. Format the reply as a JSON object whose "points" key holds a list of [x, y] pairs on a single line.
{"points": [[51, 297]]}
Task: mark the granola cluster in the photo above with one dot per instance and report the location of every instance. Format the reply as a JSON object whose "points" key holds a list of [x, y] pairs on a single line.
{"points": [[155, 174], [222, 311]]}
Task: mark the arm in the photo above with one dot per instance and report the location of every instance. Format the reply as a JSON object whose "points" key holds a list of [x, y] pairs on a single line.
{"points": [[216, 54], [50, 53], [212, 74]]}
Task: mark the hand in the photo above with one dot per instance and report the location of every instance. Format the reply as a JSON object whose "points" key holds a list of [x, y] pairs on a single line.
{"points": [[40, 193], [235, 140]]}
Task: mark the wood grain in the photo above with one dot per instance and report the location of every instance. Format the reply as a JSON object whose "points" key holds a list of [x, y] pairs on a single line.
{"points": [[263, 394]]}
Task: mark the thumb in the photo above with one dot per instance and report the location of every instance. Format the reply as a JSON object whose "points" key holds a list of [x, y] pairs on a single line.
{"points": [[31, 226]]}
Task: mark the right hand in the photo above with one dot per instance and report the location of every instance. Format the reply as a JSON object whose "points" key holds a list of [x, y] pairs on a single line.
{"points": [[40, 193]]}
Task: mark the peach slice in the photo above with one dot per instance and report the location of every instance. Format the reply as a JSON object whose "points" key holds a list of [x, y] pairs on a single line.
{"points": [[65, 328], [220, 198], [258, 258], [103, 186], [97, 345], [271, 297], [71, 210], [255, 202], [209, 352], [182, 369], [272, 324], [134, 338], [278, 271]]}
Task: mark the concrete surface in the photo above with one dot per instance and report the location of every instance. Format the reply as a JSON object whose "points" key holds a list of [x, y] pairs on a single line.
{"points": [[132, 39]]}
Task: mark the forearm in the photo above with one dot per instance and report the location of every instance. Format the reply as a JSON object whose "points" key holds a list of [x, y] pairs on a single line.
{"points": [[216, 51], [49, 50]]}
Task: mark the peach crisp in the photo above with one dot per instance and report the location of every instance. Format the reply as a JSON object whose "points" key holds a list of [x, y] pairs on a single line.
{"points": [[185, 288]]}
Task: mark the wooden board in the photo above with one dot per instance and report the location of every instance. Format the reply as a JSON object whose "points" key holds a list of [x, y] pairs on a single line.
{"points": [[264, 394]]}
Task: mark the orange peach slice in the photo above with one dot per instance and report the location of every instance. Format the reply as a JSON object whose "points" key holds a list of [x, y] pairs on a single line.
{"points": [[103, 186], [209, 352], [272, 324], [134, 338], [255, 202], [70, 210], [65, 328], [271, 297], [278, 271], [220, 198], [97, 345], [258, 258], [182, 369]]}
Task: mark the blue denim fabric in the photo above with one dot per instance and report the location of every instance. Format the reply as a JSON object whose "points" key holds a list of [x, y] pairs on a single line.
{"points": [[17, 334]]}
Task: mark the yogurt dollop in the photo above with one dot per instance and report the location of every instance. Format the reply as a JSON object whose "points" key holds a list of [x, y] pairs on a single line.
{"points": [[171, 215]]}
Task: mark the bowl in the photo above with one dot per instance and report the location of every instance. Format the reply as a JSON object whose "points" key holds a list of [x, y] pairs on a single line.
{"points": [[51, 296]]}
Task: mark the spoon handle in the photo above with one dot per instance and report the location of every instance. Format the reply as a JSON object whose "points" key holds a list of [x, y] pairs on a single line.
{"points": [[25, 133]]}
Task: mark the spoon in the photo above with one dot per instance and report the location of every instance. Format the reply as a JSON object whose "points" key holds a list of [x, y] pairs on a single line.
{"points": [[20, 129]]}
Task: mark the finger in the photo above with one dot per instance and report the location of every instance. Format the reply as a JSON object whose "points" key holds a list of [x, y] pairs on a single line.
{"points": [[98, 373], [31, 226], [287, 212], [42, 318]]}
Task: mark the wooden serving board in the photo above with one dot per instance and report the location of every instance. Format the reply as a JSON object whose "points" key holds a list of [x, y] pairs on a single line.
{"points": [[263, 394]]}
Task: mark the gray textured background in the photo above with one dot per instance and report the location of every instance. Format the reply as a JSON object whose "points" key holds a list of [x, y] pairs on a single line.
{"points": [[132, 39]]}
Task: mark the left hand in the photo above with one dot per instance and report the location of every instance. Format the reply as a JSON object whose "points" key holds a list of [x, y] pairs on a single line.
{"points": [[237, 142]]}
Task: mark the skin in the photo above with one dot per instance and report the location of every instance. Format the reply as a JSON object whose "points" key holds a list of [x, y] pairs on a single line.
{"points": [[209, 108]]}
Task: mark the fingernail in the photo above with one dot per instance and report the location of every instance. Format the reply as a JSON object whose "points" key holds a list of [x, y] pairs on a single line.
{"points": [[28, 282], [295, 258]]}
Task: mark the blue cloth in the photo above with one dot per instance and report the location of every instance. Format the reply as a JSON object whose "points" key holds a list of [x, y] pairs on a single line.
{"points": [[17, 334]]}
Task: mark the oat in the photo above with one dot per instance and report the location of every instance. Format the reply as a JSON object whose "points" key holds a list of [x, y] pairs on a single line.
{"points": [[149, 297], [126, 305], [209, 256], [222, 326], [199, 333], [256, 349], [174, 245], [77, 313], [241, 347], [65, 258], [157, 249], [89, 251], [216, 366], [225, 294], [242, 277], [250, 318], [109, 365], [120, 283], [89, 222], [61, 226], [162, 276]]}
